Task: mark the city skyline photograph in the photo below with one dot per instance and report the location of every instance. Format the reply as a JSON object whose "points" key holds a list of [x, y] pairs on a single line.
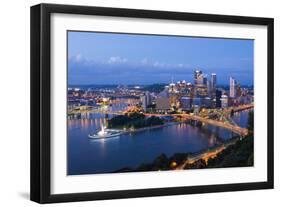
{"points": [[142, 102]]}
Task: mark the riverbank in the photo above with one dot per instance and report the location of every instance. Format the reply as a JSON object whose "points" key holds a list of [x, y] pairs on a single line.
{"points": [[233, 153], [150, 148], [128, 131], [207, 154]]}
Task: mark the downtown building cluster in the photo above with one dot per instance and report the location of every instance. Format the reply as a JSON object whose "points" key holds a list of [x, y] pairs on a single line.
{"points": [[184, 96]]}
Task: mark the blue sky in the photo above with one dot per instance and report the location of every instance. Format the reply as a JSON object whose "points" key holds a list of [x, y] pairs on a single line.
{"points": [[108, 58]]}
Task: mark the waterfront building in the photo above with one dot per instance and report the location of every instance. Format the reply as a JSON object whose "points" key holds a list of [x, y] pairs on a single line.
{"points": [[234, 101], [162, 104], [224, 101], [185, 103], [218, 98], [207, 102], [196, 102], [246, 99], [163, 101], [232, 87], [143, 102], [196, 109], [238, 90], [146, 100]]}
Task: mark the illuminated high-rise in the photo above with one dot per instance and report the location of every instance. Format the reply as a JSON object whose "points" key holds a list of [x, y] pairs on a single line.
{"points": [[224, 101], [145, 100], [197, 76], [232, 87], [213, 84]]}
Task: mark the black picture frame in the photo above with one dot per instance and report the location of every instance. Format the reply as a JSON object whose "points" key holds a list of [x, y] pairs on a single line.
{"points": [[41, 98]]}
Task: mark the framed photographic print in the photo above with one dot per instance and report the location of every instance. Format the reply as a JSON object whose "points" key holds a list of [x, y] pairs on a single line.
{"points": [[132, 103]]}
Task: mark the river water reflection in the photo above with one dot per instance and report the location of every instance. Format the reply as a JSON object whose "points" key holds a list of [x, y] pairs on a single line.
{"points": [[88, 156]]}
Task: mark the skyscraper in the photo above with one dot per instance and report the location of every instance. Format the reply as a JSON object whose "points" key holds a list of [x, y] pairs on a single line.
{"points": [[205, 79], [213, 84], [209, 88], [146, 100], [143, 102], [197, 74], [232, 87], [218, 98]]}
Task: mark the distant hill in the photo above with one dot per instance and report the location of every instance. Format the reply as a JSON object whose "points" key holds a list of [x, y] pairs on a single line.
{"points": [[156, 88]]}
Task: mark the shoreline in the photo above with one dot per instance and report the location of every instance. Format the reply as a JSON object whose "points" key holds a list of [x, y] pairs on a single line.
{"points": [[150, 127], [191, 158], [208, 153]]}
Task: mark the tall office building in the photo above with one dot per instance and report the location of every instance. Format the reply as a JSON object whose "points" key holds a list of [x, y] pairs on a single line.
{"points": [[146, 100], [209, 88], [143, 102], [213, 84], [205, 79], [197, 76], [218, 98], [232, 87], [238, 90]]}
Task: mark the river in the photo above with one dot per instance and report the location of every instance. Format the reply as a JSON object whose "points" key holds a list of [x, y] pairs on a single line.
{"points": [[88, 156]]}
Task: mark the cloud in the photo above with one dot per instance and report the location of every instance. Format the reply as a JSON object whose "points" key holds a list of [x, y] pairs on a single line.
{"points": [[117, 59], [78, 58], [144, 61], [122, 70], [157, 64]]}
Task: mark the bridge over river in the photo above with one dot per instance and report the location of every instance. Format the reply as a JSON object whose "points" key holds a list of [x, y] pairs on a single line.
{"points": [[220, 123], [224, 123]]}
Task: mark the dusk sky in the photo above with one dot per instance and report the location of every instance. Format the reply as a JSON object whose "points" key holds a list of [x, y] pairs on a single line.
{"points": [[107, 58]]}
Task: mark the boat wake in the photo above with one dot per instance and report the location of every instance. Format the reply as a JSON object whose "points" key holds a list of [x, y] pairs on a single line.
{"points": [[105, 133]]}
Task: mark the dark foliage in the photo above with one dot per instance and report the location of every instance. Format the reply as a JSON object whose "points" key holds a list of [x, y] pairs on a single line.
{"points": [[251, 121], [157, 88], [135, 120], [237, 155]]}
